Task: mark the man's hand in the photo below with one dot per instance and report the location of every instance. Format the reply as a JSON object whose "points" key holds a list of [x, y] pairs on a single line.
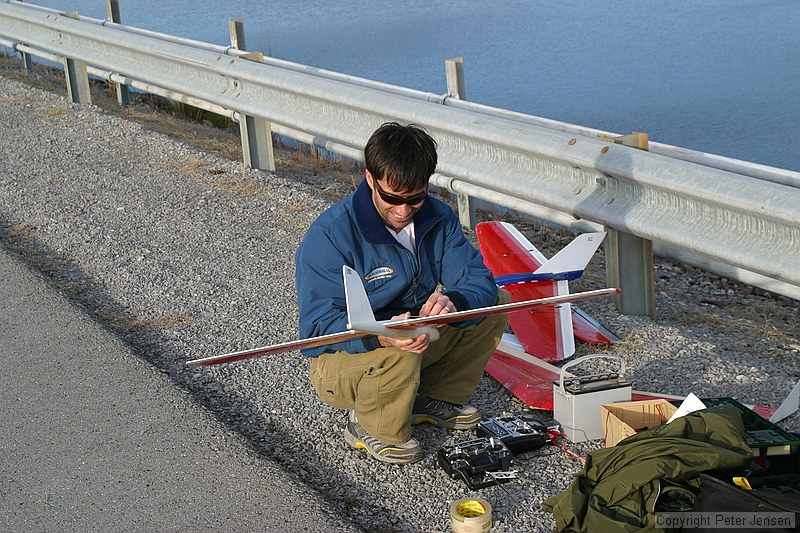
{"points": [[416, 345], [437, 304]]}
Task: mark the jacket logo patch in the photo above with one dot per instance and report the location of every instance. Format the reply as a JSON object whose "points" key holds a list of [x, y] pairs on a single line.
{"points": [[379, 273]]}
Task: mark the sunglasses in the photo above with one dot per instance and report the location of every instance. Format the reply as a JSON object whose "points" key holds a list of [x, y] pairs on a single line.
{"points": [[392, 199]]}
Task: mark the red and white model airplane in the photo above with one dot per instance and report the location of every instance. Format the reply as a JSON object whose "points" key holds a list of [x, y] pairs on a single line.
{"points": [[527, 274], [522, 362], [361, 320]]}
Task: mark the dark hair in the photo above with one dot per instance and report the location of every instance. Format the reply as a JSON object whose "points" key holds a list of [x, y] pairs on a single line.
{"points": [[404, 155]]}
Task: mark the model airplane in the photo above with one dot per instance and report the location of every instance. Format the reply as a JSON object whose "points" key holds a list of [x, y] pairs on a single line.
{"points": [[527, 274], [361, 320], [520, 362], [531, 380]]}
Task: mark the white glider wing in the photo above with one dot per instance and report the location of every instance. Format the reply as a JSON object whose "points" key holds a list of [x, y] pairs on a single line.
{"points": [[365, 323], [503, 309], [279, 348]]}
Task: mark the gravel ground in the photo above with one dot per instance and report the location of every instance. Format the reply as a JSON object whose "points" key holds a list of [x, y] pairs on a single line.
{"points": [[183, 254]]}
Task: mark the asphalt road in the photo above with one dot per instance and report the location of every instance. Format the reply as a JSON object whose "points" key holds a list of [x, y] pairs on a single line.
{"points": [[94, 439]]}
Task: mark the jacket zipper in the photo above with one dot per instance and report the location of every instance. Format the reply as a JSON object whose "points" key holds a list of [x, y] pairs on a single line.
{"points": [[415, 279]]}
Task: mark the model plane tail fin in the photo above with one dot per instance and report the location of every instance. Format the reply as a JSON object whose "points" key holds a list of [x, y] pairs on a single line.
{"points": [[359, 310], [574, 256]]}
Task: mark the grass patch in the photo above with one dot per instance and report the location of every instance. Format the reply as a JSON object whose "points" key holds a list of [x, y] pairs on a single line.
{"points": [[237, 186], [193, 166], [50, 112]]}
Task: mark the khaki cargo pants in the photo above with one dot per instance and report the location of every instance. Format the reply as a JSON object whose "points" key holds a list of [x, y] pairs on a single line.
{"points": [[381, 385]]}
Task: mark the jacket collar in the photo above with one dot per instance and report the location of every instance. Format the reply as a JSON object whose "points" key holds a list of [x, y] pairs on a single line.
{"points": [[372, 226]]}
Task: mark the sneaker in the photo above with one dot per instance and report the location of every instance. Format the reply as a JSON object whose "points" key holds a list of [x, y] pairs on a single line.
{"points": [[444, 414], [357, 437]]}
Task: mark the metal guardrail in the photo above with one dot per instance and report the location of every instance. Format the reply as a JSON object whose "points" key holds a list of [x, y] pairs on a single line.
{"points": [[751, 223], [764, 172]]}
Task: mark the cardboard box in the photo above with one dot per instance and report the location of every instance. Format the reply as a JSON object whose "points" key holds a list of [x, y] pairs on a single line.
{"points": [[624, 419]]}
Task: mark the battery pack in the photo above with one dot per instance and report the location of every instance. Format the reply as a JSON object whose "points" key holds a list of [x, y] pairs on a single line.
{"points": [[577, 400]]}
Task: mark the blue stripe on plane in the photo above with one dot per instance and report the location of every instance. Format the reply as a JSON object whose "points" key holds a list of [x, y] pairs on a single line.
{"points": [[523, 277]]}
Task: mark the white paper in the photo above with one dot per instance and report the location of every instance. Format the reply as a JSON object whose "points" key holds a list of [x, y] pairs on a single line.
{"points": [[690, 404], [789, 405]]}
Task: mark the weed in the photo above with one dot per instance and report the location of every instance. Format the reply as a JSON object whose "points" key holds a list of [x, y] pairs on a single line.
{"points": [[352, 503]]}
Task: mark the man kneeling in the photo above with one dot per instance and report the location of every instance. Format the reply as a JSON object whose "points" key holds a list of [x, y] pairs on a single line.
{"points": [[405, 245]]}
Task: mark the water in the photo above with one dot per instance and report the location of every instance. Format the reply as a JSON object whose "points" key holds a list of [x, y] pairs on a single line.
{"points": [[719, 76]]}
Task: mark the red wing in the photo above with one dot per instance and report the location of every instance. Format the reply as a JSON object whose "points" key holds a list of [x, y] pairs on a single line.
{"points": [[505, 252], [502, 252], [529, 379]]}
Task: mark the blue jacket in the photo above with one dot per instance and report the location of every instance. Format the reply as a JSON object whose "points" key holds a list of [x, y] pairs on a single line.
{"points": [[352, 233]]}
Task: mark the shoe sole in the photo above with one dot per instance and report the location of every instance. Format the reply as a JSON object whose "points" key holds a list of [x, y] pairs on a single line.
{"points": [[356, 443], [458, 422]]}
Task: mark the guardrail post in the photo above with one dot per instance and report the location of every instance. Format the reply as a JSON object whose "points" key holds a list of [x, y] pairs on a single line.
{"points": [[236, 27], [256, 132], [123, 94], [27, 59], [629, 259], [456, 88], [76, 75]]}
